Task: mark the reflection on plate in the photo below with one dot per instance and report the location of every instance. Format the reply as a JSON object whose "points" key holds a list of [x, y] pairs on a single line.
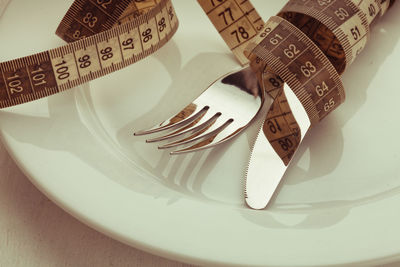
{"points": [[338, 203]]}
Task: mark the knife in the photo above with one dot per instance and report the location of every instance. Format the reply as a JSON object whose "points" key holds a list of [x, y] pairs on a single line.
{"points": [[266, 168]]}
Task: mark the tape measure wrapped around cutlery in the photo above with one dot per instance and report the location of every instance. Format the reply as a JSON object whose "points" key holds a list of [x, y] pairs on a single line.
{"points": [[99, 46], [332, 34], [306, 48], [340, 29]]}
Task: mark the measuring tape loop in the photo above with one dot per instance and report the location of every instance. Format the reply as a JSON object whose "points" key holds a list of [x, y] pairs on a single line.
{"points": [[343, 18], [92, 56], [348, 20], [342, 21], [290, 54], [339, 30]]}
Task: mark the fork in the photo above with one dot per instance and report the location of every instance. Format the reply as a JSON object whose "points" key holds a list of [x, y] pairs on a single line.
{"points": [[219, 114]]}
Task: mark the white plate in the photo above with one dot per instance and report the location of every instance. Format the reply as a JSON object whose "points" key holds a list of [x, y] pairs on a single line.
{"points": [[338, 204]]}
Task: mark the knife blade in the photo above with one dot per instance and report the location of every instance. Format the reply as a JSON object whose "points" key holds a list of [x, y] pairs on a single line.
{"points": [[266, 168]]}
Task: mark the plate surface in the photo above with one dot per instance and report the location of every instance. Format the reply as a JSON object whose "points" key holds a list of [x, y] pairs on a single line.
{"points": [[339, 200]]}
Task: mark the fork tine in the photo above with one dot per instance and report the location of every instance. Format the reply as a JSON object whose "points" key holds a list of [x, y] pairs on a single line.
{"points": [[214, 130], [183, 118], [197, 127], [207, 141]]}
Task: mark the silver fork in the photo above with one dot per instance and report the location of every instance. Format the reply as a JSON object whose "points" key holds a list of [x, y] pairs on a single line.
{"points": [[220, 113]]}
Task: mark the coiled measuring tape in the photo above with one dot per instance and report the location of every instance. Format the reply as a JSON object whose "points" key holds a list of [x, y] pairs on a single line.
{"points": [[340, 29], [145, 26], [307, 47]]}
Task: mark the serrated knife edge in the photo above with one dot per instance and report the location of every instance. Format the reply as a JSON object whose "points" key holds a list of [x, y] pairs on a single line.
{"points": [[265, 168]]}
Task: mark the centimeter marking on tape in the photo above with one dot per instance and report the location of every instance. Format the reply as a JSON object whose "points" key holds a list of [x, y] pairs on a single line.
{"points": [[32, 77], [237, 21], [88, 17]]}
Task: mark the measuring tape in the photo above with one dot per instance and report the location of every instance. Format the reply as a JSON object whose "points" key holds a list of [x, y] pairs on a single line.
{"points": [[145, 26], [311, 43], [340, 29]]}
